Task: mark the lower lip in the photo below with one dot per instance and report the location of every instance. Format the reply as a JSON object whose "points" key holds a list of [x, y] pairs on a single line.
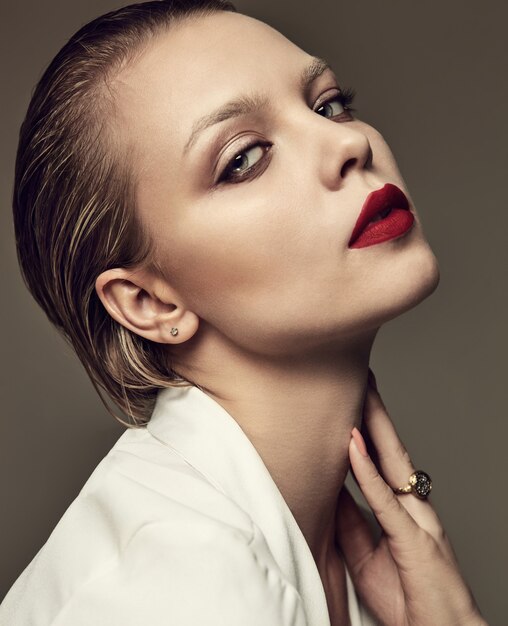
{"points": [[395, 224]]}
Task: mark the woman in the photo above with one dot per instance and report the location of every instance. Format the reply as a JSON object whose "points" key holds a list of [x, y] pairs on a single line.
{"points": [[220, 239]]}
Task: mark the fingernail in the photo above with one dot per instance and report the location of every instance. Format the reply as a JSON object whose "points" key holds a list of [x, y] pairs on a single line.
{"points": [[372, 379], [359, 442]]}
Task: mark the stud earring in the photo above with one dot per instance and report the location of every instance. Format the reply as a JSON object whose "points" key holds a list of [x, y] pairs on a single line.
{"points": [[174, 332]]}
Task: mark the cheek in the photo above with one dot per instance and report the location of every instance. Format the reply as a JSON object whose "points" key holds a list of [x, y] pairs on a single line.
{"points": [[233, 257], [254, 255]]}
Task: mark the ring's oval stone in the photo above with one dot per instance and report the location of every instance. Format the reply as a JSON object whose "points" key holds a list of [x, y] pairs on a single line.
{"points": [[421, 484]]}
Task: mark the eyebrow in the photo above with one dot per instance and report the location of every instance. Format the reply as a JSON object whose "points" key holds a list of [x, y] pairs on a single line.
{"points": [[245, 104]]}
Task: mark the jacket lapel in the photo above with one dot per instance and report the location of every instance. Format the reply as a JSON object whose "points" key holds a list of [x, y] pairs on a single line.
{"points": [[211, 441]]}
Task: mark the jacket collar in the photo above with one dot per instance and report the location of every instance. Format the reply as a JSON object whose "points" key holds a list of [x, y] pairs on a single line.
{"points": [[212, 442]]}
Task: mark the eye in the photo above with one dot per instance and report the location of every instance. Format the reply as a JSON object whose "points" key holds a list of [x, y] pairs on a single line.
{"points": [[244, 162], [338, 104], [246, 159], [333, 107]]}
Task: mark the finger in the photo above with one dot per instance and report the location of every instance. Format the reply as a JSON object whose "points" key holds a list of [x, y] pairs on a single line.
{"points": [[353, 533], [393, 459], [397, 523]]}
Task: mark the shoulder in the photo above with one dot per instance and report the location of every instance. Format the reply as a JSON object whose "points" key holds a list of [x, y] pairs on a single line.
{"points": [[149, 540], [220, 579]]}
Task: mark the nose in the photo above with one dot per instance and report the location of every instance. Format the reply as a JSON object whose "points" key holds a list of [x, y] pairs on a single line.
{"points": [[341, 150]]}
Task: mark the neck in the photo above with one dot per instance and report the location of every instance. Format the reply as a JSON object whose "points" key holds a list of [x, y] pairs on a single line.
{"points": [[298, 412], [300, 423]]}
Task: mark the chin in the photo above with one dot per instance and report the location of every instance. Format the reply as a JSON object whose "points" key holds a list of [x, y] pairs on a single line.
{"points": [[404, 285], [420, 280]]}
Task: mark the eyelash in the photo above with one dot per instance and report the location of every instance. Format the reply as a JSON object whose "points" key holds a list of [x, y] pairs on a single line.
{"points": [[345, 96]]}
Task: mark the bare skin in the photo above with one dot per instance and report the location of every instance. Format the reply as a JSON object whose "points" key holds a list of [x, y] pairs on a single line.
{"points": [[257, 275]]}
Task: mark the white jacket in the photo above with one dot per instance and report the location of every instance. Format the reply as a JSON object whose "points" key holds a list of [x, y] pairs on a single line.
{"points": [[180, 524]]}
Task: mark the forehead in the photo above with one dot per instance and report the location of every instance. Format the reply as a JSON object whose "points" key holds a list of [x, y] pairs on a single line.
{"points": [[197, 65]]}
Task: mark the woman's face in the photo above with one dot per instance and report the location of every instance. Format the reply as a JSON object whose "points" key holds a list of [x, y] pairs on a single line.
{"points": [[252, 214]]}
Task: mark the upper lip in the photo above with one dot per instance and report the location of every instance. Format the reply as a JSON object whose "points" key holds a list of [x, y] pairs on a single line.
{"points": [[388, 197]]}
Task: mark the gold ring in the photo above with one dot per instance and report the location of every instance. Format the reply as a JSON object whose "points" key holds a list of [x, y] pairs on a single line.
{"points": [[419, 485]]}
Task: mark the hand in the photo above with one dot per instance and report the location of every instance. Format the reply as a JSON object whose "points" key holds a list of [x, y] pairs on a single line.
{"points": [[411, 577]]}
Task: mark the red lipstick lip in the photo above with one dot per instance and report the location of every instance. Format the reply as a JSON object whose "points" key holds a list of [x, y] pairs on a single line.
{"points": [[388, 197]]}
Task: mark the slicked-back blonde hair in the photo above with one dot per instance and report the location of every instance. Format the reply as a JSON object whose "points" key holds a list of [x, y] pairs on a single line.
{"points": [[74, 201]]}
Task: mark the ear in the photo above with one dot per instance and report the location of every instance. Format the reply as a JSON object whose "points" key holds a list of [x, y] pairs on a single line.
{"points": [[146, 305]]}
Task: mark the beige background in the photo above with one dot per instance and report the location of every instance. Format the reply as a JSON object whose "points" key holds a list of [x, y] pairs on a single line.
{"points": [[430, 77]]}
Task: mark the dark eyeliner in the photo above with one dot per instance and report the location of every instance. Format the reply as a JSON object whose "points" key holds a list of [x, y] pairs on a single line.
{"points": [[248, 174]]}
